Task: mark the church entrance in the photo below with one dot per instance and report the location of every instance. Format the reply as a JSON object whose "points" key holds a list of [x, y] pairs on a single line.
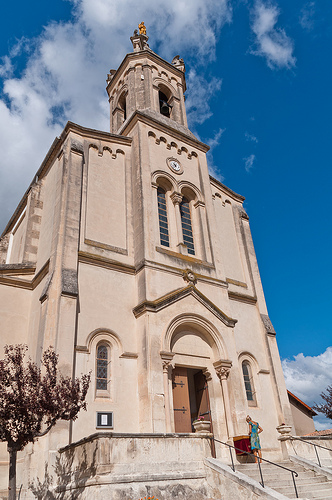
{"points": [[190, 398]]}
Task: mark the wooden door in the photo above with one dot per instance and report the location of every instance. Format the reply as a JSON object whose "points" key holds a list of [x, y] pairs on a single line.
{"points": [[202, 396], [181, 404], [203, 403]]}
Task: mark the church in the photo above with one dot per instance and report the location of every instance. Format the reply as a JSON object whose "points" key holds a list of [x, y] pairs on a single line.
{"points": [[136, 265]]}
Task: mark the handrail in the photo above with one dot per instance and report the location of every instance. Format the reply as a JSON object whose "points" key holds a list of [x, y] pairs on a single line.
{"points": [[259, 465], [313, 444]]}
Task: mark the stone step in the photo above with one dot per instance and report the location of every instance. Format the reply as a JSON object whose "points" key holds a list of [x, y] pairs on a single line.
{"points": [[308, 491], [280, 472], [275, 483], [309, 484]]}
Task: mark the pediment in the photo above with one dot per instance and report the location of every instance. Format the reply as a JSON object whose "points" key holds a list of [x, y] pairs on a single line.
{"points": [[177, 295]]}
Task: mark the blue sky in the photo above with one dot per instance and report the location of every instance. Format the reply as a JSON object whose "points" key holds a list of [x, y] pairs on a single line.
{"points": [[259, 83]]}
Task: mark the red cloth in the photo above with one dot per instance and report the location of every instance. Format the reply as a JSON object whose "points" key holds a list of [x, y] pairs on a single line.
{"points": [[242, 443]]}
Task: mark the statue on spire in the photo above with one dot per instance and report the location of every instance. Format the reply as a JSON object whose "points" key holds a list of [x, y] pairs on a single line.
{"points": [[142, 28]]}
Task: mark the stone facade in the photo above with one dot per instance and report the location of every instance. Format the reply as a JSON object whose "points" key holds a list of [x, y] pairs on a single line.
{"points": [[86, 267]]}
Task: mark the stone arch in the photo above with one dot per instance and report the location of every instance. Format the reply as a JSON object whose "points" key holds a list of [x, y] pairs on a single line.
{"points": [[160, 178], [190, 191], [250, 386], [123, 92], [120, 151], [195, 325], [100, 334]]}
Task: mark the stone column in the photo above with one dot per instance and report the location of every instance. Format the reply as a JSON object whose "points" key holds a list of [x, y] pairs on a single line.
{"points": [[222, 368], [176, 199], [204, 233], [166, 358]]}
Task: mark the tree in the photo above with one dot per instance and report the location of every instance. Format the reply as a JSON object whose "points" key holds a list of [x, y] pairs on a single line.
{"points": [[33, 399], [327, 407]]}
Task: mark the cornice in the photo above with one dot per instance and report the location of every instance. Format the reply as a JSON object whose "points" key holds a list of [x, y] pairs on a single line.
{"points": [[175, 296], [96, 260], [165, 125], [94, 134], [10, 278], [230, 192], [241, 297], [141, 55]]}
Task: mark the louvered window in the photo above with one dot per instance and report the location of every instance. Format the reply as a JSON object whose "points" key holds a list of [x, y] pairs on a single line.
{"points": [[162, 213], [186, 226]]}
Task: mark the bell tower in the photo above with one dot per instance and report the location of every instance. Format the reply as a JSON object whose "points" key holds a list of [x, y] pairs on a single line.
{"points": [[146, 82]]}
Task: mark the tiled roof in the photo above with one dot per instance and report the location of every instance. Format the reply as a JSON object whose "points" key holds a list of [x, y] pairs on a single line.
{"points": [[302, 403], [325, 432]]}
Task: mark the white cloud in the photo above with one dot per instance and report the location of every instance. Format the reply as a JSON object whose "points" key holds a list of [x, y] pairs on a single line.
{"points": [[249, 162], [250, 137], [65, 72], [270, 42], [307, 377], [307, 14], [200, 92], [214, 142]]}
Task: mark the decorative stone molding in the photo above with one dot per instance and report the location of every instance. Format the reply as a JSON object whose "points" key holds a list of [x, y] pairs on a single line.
{"points": [[166, 358], [284, 431], [178, 62], [140, 42], [190, 277], [176, 198], [69, 282], [268, 324], [76, 146], [171, 298], [207, 374], [223, 367]]}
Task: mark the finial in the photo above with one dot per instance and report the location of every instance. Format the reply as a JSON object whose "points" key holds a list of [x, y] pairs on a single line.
{"points": [[142, 28], [140, 40]]}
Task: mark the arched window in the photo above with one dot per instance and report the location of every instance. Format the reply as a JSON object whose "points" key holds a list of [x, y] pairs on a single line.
{"points": [[248, 383], [186, 226], [102, 367], [162, 213], [164, 107]]}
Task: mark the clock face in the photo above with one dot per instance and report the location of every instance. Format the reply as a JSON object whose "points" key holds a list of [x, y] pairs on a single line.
{"points": [[175, 165]]}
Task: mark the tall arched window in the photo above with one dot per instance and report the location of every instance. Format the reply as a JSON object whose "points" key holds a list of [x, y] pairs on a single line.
{"points": [[187, 231], [102, 367], [162, 213], [248, 383]]}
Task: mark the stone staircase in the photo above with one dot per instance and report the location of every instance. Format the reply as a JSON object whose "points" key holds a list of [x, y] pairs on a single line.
{"points": [[310, 484]]}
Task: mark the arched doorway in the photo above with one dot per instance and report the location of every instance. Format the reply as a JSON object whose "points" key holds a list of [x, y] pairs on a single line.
{"points": [[193, 357], [190, 398]]}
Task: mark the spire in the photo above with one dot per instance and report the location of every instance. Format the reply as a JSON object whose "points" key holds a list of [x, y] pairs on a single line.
{"points": [[140, 40]]}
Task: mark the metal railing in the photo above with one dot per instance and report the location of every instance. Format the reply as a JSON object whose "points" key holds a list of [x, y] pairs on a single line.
{"points": [[294, 474], [313, 444]]}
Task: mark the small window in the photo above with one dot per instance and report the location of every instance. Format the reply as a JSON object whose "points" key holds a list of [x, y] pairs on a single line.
{"points": [[162, 213], [102, 371], [248, 383], [187, 231]]}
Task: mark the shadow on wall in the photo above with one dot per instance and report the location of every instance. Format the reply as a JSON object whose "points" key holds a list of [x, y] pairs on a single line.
{"points": [[66, 477]]}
